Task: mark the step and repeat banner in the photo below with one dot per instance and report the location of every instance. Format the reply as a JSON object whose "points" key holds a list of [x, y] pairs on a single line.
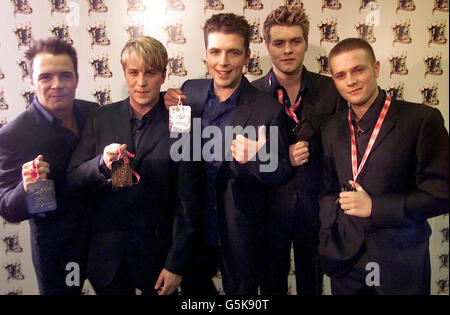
{"points": [[410, 38]]}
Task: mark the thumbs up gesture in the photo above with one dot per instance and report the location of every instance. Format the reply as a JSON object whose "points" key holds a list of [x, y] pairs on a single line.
{"points": [[244, 149]]}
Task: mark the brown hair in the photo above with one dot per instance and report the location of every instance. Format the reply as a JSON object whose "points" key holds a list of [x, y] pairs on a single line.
{"points": [[352, 44], [228, 23], [54, 46], [149, 50], [286, 16]]}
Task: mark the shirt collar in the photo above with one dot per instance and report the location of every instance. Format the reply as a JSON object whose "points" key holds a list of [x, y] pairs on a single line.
{"points": [[232, 99], [149, 113], [47, 115], [306, 84], [369, 119]]}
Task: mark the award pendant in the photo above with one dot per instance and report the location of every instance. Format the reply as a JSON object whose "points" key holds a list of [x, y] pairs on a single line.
{"points": [[121, 175], [41, 196], [180, 117]]}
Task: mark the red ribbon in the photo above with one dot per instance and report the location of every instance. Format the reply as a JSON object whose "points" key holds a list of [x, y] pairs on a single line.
{"points": [[126, 161], [35, 170], [355, 170]]}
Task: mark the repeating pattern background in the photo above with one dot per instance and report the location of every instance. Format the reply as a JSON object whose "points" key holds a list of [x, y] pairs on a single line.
{"points": [[410, 38]]}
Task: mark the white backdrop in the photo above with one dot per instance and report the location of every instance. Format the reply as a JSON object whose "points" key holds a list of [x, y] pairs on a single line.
{"points": [[410, 38]]}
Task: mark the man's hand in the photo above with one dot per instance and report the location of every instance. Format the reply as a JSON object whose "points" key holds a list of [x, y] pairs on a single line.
{"points": [[244, 149], [112, 152], [357, 203], [299, 153], [169, 282], [171, 97], [34, 170]]}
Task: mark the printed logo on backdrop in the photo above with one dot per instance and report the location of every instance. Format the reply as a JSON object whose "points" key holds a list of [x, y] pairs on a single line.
{"points": [[3, 105], [433, 64], [175, 5], [12, 243], [28, 97], [254, 66], [297, 3], [59, 6], [252, 5], [366, 32], [405, 5], [17, 291], [135, 31], [14, 270], [215, 5], [402, 33], [23, 66], [255, 33], [103, 97], [101, 67], [398, 65], [444, 232], [2, 75], [24, 35], [324, 67], [3, 121], [331, 4], [176, 66], [205, 64], [370, 5], [98, 35], [97, 6], [175, 34], [328, 31], [437, 34], [443, 259], [442, 286], [62, 32], [430, 95], [22, 7], [440, 6], [396, 92], [136, 6]]}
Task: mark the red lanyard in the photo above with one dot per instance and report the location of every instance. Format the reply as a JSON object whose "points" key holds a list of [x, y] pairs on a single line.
{"points": [[373, 137], [126, 161], [35, 170], [290, 111]]}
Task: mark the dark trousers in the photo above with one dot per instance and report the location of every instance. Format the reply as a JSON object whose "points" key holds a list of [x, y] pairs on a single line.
{"points": [[293, 221]]}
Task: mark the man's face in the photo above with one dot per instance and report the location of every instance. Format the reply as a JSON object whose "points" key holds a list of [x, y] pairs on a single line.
{"points": [[355, 76], [226, 56], [287, 48], [143, 84], [54, 81]]}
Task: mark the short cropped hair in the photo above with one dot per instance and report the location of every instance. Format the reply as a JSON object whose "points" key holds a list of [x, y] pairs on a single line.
{"points": [[150, 51], [228, 23], [286, 15], [54, 46], [349, 44]]}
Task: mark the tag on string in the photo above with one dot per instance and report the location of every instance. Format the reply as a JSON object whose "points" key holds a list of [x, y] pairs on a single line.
{"points": [[180, 117]]}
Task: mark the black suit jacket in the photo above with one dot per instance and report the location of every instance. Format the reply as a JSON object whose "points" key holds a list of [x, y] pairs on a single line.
{"points": [[22, 140], [317, 106], [406, 174], [241, 189], [135, 224]]}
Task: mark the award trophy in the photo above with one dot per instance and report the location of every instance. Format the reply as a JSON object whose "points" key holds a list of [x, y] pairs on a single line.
{"points": [[40, 194]]}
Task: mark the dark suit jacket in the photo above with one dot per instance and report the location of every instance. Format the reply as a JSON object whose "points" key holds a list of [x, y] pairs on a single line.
{"points": [[22, 140], [241, 189], [306, 179], [135, 224], [406, 174]]}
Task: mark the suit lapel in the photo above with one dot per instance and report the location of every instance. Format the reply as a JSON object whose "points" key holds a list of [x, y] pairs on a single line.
{"points": [[122, 125], [244, 109], [155, 132], [387, 126]]}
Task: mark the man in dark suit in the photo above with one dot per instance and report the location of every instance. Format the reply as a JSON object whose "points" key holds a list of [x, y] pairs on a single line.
{"points": [[46, 134], [233, 185], [391, 160], [309, 99], [133, 241]]}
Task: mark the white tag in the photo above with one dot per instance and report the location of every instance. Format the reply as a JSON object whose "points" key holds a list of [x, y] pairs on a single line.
{"points": [[180, 118]]}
